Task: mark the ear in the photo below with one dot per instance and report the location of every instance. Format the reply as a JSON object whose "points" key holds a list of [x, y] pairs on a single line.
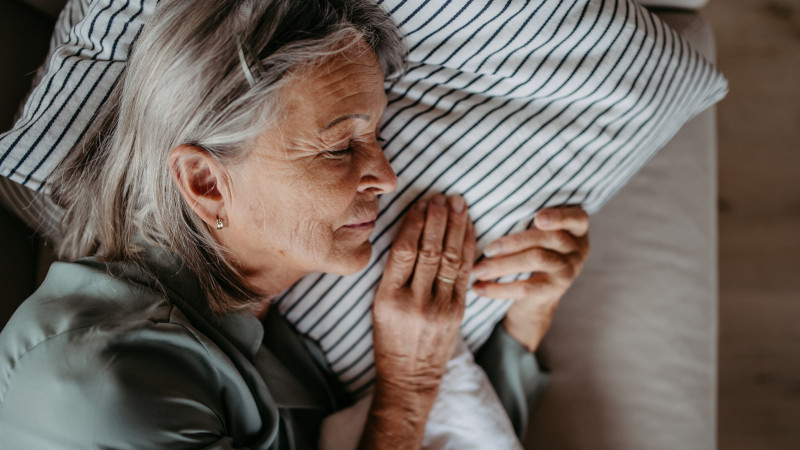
{"points": [[202, 181]]}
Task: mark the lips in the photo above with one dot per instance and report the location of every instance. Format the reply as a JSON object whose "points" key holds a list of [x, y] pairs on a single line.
{"points": [[360, 224]]}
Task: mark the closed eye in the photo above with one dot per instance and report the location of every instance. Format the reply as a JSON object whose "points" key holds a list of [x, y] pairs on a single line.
{"points": [[340, 153]]}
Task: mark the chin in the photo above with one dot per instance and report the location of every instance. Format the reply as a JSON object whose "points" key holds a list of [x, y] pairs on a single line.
{"points": [[353, 262]]}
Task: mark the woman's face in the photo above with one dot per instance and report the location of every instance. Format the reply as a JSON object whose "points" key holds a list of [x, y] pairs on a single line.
{"points": [[305, 198]]}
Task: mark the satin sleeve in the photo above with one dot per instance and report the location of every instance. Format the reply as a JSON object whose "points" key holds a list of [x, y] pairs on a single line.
{"points": [[515, 374], [155, 388]]}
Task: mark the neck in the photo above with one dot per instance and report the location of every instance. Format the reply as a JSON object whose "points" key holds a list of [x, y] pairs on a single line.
{"points": [[270, 283]]}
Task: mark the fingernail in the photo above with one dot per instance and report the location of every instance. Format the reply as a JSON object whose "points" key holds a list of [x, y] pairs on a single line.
{"points": [[439, 200], [458, 204], [544, 217], [480, 271], [495, 248], [422, 206]]}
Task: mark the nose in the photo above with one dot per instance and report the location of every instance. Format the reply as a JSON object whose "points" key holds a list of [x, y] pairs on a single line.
{"points": [[378, 176]]}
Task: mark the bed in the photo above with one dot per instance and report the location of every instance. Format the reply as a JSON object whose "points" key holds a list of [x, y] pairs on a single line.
{"points": [[632, 350]]}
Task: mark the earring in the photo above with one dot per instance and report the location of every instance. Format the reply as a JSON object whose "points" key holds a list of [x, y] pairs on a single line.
{"points": [[220, 224]]}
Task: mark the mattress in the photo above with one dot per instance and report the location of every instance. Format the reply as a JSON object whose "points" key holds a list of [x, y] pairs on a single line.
{"points": [[633, 346]]}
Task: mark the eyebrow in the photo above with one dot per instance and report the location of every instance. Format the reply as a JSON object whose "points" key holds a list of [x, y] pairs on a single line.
{"points": [[366, 117]]}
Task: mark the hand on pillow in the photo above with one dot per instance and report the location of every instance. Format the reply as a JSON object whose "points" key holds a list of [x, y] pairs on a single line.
{"points": [[555, 251]]}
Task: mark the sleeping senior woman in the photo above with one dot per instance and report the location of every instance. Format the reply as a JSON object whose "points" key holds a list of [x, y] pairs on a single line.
{"points": [[239, 152]]}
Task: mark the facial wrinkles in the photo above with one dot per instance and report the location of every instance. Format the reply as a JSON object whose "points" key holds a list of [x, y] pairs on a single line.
{"points": [[318, 144], [364, 209], [345, 89], [309, 196], [345, 71], [353, 133], [326, 174], [311, 140], [308, 231], [258, 211]]}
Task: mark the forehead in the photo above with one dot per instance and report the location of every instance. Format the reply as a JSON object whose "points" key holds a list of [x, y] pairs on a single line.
{"points": [[347, 83]]}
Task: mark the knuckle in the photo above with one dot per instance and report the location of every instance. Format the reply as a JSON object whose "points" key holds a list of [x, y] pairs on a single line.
{"points": [[578, 262], [514, 240], [451, 259], [430, 253], [554, 260], [560, 259], [569, 272], [528, 290], [563, 239], [533, 258], [540, 257], [404, 252]]}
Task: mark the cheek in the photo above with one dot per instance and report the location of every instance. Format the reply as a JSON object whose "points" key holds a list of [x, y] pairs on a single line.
{"points": [[311, 238], [300, 222], [295, 213], [329, 195], [258, 214], [317, 230]]}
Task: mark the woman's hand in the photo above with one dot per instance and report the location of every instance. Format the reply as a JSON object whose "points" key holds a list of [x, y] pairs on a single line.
{"points": [[555, 251], [417, 317]]}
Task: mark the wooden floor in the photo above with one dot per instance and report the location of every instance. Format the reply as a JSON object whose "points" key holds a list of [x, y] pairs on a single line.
{"points": [[759, 170]]}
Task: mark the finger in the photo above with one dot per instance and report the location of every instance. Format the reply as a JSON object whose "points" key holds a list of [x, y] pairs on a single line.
{"points": [[467, 260], [450, 263], [558, 241], [537, 285], [403, 255], [530, 260], [572, 219], [430, 246]]}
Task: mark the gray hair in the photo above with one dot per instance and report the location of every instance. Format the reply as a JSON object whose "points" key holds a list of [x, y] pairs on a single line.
{"points": [[185, 84]]}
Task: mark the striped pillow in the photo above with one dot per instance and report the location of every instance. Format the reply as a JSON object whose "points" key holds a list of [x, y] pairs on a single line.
{"points": [[88, 50], [516, 104]]}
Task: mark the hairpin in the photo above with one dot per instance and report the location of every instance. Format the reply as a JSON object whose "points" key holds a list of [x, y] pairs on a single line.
{"points": [[243, 47]]}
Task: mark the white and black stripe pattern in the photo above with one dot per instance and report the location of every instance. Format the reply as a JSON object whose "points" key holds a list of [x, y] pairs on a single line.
{"points": [[516, 104], [88, 52]]}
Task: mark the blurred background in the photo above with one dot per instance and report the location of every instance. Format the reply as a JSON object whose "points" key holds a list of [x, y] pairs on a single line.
{"points": [[758, 45]]}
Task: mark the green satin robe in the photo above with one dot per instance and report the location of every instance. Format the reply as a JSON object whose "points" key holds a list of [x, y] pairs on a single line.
{"points": [[102, 356]]}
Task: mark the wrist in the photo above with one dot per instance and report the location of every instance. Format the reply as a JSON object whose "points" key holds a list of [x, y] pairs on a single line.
{"points": [[414, 399], [527, 332], [397, 417]]}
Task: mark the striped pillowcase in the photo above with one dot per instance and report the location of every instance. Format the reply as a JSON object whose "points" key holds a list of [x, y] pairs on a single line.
{"points": [[88, 50], [516, 104]]}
